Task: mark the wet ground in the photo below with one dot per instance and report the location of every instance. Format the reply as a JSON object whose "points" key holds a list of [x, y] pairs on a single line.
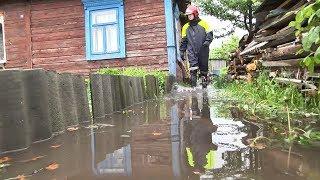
{"points": [[183, 136]]}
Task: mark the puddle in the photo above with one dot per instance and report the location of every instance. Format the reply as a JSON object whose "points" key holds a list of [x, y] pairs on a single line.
{"points": [[179, 137]]}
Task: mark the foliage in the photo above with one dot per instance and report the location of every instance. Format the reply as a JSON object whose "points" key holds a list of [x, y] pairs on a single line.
{"points": [[224, 51], [238, 12], [307, 24], [268, 101], [137, 72], [310, 137]]}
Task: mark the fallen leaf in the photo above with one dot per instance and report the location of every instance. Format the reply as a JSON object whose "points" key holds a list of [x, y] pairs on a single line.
{"points": [[93, 127], [156, 134], [52, 167], [4, 159], [125, 136], [4, 165], [196, 172], [97, 126], [71, 129], [258, 146], [21, 177], [56, 146], [33, 159]]}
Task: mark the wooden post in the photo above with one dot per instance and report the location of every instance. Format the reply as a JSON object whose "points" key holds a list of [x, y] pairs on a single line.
{"points": [[55, 109], [81, 98], [97, 97], [14, 125], [68, 99], [37, 104]]}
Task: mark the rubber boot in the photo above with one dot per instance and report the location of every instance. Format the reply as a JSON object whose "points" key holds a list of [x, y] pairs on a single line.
{"points": [[204, 80], [194, 78]]}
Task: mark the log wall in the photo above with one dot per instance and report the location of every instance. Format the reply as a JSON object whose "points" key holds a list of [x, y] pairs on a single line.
{"points": [[51, 35]]}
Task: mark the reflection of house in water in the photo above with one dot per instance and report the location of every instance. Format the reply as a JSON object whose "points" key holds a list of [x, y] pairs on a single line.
{"points": [[149, 152], [118, 162], [151, 144], [157, 146], [151, 149]]}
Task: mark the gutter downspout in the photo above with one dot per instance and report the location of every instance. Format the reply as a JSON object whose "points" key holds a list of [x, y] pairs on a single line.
{"points": [[170, 31]]}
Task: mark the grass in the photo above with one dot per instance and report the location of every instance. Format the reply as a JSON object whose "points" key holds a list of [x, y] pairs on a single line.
{"points": [[138, 72], [268, 101]]}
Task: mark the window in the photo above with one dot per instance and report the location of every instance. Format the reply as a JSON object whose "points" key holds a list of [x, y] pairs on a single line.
{"points": [[105, 37], [2, 41]]}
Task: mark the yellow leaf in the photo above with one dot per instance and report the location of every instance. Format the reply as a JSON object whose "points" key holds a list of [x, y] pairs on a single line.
{"points": [[52, 167], [32, 159], [21, 177], [4, 159], [56, 146], [4, 166], [157, 134], [259, 146], [73, 129]]}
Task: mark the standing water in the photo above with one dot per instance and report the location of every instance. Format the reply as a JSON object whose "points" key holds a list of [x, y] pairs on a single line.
{"points": [[182, 136]]}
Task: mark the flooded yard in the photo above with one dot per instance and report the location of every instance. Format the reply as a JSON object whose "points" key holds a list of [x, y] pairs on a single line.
{"points": [[182, 136]]}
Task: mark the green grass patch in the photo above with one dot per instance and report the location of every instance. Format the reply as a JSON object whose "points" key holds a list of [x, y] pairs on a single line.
{"points": [[138, 72], [271, 102]]}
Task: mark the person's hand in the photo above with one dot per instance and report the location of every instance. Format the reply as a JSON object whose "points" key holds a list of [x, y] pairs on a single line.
{"points": [[206, 44]]}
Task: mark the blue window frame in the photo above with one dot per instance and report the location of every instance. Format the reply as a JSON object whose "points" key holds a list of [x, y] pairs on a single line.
{"points": [[105, 36]]}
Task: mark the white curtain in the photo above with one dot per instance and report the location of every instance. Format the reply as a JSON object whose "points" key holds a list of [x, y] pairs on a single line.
{"points": [[112, 38], [104, 16], [97, 40]]}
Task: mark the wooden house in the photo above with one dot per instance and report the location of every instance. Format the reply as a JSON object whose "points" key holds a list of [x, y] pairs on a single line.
{"points": [[81, 36]]}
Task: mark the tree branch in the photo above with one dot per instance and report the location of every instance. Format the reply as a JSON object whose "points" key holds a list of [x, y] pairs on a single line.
{"points": [[250, 15], [245, 22]]}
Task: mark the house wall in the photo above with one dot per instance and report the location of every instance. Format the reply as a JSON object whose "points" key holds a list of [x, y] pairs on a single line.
{"points": [[16, 37], [51, 35]]}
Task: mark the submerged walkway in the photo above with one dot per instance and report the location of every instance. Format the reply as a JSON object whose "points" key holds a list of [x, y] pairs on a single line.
{"points": [[185, 135]]}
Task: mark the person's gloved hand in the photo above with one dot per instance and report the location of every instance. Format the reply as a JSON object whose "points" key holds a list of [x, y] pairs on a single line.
{"points": [[206, 44]]}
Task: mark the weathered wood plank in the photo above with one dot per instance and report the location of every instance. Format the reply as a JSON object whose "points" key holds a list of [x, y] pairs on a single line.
{"points": [[75, 42], [62, 21], [283, 32], [58, 52], [44, 5], [55, 29], [58, 38], [283, 63], [71, 34], [286, 52]]}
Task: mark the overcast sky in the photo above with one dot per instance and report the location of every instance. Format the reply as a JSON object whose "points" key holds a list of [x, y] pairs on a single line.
{"points": [[216, 24]]}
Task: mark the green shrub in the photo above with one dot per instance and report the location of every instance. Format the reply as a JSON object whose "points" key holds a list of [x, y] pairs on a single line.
{"points": [[270, 102], [267, 96], [137, 72]]}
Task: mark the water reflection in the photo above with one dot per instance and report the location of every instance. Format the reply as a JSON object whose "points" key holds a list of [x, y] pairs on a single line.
{"points": [[198, 129], [118, 162], [182, 137]]}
